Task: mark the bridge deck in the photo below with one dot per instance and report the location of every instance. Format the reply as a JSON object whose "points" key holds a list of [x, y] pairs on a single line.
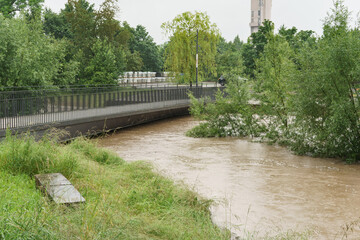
{"points": [[86, 115], [19, 113]]}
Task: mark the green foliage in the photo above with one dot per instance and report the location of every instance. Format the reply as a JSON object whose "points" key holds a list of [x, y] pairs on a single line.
{"points": [[81, 45], [181, 50], [229, 57], [10, 7], [230, 115], [107, 27], [134, 61], [273, 84], [102, 67], [56, 25], [255, 46], [28, 57], [144, 44], [328, 102], [97, 41], [80, 15], [205, 130], [297, 39]]}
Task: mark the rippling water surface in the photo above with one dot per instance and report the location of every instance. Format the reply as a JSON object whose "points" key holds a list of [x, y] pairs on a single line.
{"points": [[258, 188]]}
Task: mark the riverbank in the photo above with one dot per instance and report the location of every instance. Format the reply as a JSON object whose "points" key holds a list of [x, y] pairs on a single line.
{"points": [[123, 200]]}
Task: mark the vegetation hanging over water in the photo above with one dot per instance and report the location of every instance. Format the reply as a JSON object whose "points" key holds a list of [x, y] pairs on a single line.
{"points": [[303, 91]]}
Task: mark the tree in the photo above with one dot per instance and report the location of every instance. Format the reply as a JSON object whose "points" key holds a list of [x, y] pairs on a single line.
{"points": [[102, 67], [229, 58], [28, 57], [255, 46], [229, 115], [297, 40], [181, 50], [94, 31], [237, 44], [143, 43], [288, 34], [134, 61], [9, 7], [107, 27], [328, 111], [56, 25], [80, 15], [273, 84]]}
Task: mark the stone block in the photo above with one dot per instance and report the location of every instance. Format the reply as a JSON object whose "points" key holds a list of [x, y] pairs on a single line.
{"points": [[58, 188]]}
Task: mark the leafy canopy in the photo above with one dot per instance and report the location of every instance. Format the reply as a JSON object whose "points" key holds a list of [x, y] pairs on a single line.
{"points": [[10, 7], [28, 57], [229, 58], [144, 44]]}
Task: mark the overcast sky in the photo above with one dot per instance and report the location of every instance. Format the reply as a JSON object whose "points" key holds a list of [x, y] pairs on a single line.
{"points": [[231, 16]]}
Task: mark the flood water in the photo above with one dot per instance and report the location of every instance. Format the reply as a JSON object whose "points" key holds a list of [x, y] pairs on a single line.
{"points": [[257, 188]]}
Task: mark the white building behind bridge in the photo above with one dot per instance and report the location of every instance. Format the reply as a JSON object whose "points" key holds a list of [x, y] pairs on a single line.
{"points": [[145, 77]]}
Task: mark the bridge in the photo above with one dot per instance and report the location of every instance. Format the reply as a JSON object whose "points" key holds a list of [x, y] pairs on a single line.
{"points": [[95, 109]]}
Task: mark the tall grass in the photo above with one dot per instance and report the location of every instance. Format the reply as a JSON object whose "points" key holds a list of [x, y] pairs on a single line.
{"points": [[24, 155], [22, 209]]}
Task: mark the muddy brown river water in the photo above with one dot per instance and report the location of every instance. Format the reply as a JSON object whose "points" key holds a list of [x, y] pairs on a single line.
{"points": [[258, 189]]}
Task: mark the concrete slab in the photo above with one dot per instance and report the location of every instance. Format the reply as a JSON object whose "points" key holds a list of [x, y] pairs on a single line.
{"points": [[58, 188]]}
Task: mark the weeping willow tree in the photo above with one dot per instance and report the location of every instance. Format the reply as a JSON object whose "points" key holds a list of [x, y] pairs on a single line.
{"points": [[181, 51]]}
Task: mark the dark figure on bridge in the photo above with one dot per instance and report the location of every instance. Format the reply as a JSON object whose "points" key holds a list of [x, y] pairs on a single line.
{"points": [[221, 80]]}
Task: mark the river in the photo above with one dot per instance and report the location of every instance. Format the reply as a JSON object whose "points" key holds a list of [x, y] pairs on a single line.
{"points": [[258, 189]]}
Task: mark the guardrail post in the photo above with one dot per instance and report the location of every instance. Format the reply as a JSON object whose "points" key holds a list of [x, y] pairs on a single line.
{"points": [[77, 96], [65, 103], [52, 104], [104, 96], [83, 101], [100, 100], [94, 100], [72, 102]]}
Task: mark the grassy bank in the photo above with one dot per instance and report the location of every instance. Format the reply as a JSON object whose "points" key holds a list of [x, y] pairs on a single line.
{"points": [[123, 200]]}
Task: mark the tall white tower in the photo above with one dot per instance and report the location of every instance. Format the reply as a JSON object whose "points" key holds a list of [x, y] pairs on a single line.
{"points": [[260, 10]]}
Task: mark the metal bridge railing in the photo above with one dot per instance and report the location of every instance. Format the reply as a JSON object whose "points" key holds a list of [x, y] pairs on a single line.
{"points": [[27, 108]]}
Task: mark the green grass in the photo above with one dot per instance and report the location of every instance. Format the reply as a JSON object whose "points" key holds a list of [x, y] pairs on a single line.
{"points": [[123, 200]]}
